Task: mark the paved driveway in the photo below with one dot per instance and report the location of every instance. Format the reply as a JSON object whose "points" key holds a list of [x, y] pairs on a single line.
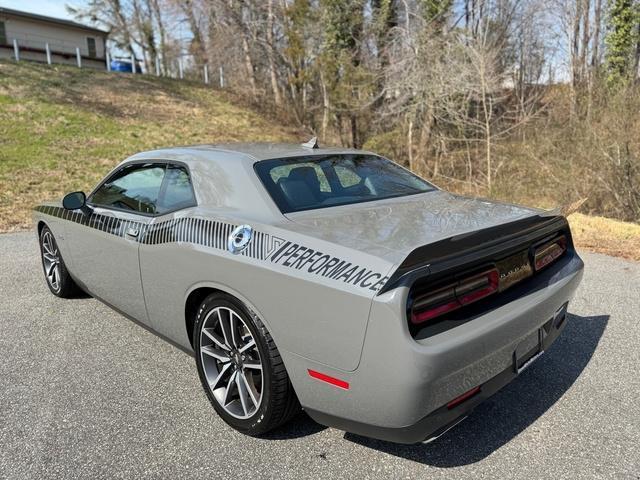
{"points": [[85, 393]]}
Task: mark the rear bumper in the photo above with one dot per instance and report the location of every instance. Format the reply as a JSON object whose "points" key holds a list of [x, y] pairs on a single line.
{"points": [[444, 418], [402, 386]]}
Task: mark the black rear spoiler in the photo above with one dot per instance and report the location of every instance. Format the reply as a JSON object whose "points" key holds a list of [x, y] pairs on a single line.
{"points": [[469, 248]]}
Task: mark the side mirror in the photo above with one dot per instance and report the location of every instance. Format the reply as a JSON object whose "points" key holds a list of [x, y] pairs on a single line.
{"points": [[74, 200]]}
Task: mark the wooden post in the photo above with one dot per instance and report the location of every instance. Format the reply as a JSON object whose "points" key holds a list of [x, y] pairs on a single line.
{"points": [[133, 64], [221, 78], [180, 72], [206, 74], [46, 47], [107, 58], [16, 50], [157, 67], [78, 57]]}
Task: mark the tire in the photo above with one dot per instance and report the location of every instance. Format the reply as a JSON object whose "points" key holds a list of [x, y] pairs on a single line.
{"points": [[55, 271], [269, 385]]}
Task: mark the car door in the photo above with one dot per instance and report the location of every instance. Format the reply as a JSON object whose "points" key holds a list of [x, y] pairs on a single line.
{"points": [[106, 243], [170, 244]]}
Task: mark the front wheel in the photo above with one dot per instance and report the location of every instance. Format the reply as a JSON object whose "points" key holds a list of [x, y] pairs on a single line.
{"points": [[240, 367], [55, 271]]}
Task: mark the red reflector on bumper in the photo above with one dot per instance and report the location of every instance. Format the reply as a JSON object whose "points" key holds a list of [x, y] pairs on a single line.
{"points": [[326, 378], [463, 398]]}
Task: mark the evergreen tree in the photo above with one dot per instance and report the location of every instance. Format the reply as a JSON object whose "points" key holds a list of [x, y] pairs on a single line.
{"points": [[436, 11], [621, 40], [343, 22]]}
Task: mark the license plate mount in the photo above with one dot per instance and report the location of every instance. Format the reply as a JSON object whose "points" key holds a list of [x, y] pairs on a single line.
{"points": [[528, 351]]}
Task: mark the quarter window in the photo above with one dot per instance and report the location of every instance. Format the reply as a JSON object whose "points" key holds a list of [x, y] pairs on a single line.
{"points": [[91, 46], [134, 188], [177, 192]]}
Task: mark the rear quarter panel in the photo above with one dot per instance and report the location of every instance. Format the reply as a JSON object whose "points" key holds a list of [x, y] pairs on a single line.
{"points": [[307, 312]]}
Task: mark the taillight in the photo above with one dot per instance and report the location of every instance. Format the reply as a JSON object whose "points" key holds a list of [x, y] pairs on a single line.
{"points": [[549, 252], [454, 296]]}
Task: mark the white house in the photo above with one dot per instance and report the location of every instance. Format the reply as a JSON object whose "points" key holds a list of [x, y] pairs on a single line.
{"points": [[33, 32]]}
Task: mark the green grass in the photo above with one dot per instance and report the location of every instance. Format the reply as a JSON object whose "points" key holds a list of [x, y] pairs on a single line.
{"points": [[62, 129]]}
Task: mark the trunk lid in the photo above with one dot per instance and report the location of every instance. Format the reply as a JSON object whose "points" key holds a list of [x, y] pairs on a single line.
{"points": [[393, 228]]}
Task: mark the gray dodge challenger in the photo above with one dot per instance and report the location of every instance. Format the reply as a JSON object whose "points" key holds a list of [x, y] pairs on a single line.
{"points": [[331, 280]]}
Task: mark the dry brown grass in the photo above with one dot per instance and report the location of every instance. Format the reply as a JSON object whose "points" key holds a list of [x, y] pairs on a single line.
{"points": [[604, 235]]}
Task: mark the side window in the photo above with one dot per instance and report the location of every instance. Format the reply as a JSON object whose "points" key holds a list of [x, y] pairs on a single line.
{"points": [[3, 34], [134, 188], [177, 191], [91, 46]]}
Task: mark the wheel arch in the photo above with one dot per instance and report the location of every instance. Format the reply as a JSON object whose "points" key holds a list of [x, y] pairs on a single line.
{"points": [[41, 225], [198, 292]]}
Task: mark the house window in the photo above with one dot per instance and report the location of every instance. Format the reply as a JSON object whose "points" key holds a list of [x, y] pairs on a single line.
{"points": [[3, 34], [91, 46]]}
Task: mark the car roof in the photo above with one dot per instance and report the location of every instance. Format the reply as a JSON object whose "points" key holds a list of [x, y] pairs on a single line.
{"points": [[246, 152], [222, 173]]}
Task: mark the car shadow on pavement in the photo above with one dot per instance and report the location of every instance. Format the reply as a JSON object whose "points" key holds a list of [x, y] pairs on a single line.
{"points": [[79, 295], [505, 415], [300, 426]]}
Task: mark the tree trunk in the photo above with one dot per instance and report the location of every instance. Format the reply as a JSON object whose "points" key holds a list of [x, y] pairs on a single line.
{"points": [[487, 109], [636, 63], [355, 138], [424, 139], [575, 50], [248, 64], [277, 98], [410, 145], [163, 34], [595, 56], [575, 55], [303, 113], [325, 107], [586, 8], [584, 67]]}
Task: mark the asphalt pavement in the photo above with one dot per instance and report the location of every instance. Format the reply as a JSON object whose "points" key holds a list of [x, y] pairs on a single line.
{"points": [[86, 393]]}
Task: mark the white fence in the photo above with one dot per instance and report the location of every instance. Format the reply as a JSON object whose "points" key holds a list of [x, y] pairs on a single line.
{"points": [[180, 69]]}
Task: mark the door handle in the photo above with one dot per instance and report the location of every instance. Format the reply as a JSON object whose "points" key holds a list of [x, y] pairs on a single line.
{"points": [[132, 232]]}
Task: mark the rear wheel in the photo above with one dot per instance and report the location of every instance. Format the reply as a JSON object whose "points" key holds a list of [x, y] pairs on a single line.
{"points": [[55, 271], [240, 367]]}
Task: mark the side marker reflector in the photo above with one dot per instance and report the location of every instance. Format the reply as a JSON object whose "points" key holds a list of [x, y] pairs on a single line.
{"points": [[463, 398], [331, 380]]}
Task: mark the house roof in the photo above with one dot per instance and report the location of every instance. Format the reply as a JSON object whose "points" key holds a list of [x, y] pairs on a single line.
{"points": [[58, 21]]}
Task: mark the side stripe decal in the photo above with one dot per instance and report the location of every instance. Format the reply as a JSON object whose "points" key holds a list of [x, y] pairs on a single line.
{"points": [[198, 231], [214, 234]]}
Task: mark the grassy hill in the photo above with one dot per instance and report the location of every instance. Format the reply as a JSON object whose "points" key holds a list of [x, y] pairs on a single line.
{"points": [[62, 129]]}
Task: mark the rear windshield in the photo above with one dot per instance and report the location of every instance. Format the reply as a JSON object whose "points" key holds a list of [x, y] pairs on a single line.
{"points": [[305, 183]]}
